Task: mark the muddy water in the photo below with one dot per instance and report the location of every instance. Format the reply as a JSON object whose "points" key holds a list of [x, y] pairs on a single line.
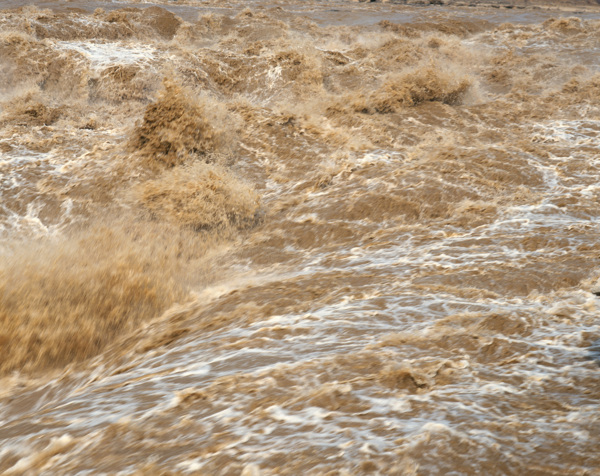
{"points": [[299, 239]]}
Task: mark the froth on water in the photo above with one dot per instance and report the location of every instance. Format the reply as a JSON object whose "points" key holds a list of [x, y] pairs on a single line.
{"points": [[299, 239]]}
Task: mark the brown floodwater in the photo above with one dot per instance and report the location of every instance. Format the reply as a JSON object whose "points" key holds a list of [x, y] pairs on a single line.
{"points": [[299, 238]]}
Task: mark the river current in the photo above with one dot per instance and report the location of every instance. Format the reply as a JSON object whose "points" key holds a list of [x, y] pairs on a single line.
{"points": [[299, 239]]}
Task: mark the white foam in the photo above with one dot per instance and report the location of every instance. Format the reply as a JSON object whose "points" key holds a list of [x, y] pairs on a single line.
{"points": [[278, 413], [101, 55]]}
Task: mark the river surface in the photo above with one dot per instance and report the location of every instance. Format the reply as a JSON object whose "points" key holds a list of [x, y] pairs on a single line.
{"points": [[299, 239]]}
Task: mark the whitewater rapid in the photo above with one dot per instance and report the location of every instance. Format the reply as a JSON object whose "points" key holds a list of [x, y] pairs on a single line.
{"points": [[303, 238]]}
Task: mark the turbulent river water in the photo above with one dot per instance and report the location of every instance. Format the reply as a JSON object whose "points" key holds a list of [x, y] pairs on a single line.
{"points": [[299, 238]]}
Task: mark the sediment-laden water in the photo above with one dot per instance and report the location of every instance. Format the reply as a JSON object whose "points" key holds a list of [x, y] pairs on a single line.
{"points": [[299, 238]]}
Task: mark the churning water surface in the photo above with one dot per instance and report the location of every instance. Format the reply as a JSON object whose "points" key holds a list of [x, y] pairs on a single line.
{"points": [[298, 238]]}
